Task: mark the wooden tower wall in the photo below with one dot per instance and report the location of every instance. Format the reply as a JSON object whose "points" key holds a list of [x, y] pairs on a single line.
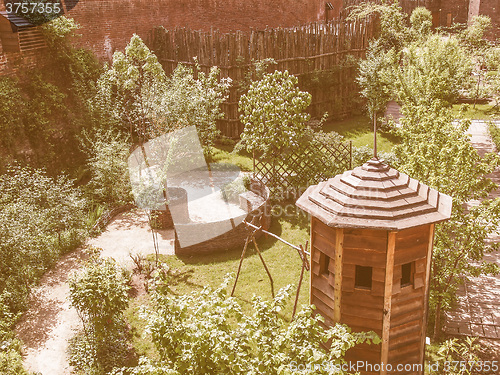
{"points": [[362, 310], [408, 303], [322, 286]]}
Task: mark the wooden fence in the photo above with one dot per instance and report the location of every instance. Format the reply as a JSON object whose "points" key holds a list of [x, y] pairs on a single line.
{"points": [[317, 53]]}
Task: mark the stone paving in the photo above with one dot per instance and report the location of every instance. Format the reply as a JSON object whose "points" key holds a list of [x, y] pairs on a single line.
{"points": [[478, 310]]}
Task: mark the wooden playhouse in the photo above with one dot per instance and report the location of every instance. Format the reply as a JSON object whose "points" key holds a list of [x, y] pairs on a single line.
{"points": [[372, 233]]}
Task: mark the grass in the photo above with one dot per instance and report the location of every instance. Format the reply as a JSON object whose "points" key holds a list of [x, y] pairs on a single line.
{"points": [[480, 112], [359, 130], [223, 154], [196, 272], [283, 262], [142, 344]]}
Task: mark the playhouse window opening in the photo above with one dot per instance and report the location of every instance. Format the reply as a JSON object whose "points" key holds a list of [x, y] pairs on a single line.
{"points": [[363, 277], [324, 262], [406, 274]]}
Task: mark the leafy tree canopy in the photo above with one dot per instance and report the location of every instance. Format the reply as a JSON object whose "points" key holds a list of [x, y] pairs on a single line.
{"points": [[273, 112], [434, 70], [136, 93], [436, 150], [394, 32]]}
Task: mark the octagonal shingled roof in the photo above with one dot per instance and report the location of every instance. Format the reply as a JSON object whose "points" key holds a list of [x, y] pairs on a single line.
{"points": [[375, 196]]}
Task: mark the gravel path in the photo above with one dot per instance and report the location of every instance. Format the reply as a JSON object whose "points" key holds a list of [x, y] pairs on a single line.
{"points": [[50, 321]]}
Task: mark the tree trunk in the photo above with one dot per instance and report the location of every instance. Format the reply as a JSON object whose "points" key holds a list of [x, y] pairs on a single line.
{"points": [[437, 322]]}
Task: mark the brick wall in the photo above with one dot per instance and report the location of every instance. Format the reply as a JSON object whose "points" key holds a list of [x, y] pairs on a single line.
{"points": [[107, 25], [462, 10], [456, 11], [492, 8]]}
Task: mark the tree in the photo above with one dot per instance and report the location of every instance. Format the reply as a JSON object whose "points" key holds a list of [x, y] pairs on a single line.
{"points": [[108, 152], [473, 36], [130, 90], [394, 32], [492, 60], [189, 101], [433, 70], [421, 23], [135, 92], [11, 112], [273, 113], [373, 79], [208, 333], [436, 151], [485, 83], [77, 67]]}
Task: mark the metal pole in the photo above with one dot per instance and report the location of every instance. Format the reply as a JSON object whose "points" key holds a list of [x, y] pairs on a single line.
{"points": [[277, 237], [241, 262]]}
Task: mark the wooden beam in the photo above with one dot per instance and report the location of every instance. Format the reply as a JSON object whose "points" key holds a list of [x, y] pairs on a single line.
{"points": [[337, 292], [311, 274], [389, 277], [430, 249]]}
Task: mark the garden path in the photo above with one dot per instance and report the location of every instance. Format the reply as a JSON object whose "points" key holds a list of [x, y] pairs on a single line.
{"points": [[50, 321], [478, 310]]}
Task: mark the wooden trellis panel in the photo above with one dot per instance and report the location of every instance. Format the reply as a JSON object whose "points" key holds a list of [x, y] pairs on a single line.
{"points": [[288, 174]]}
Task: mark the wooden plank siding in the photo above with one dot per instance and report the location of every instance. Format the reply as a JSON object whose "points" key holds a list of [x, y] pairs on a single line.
{"points": [[322, 285], [409, 302], [396, 313], [362, 309]]}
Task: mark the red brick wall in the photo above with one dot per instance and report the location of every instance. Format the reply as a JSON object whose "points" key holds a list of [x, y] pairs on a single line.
{"points": [[491, 8], [107, 25]]}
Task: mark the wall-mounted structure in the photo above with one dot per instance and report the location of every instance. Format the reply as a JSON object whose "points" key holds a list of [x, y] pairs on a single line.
{"points": [[372, 232], [18, 34]]}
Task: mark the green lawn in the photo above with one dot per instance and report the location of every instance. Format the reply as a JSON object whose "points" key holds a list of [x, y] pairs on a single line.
{"points": [[359, 130], [480, 112], [224, 154], [195, 272]]}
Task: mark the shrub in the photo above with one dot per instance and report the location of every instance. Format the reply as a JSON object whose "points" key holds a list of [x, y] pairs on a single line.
{"points": [[99, 294], [208, 333], [108, 153]]}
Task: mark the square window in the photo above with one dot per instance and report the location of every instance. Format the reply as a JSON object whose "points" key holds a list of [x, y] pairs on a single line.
{"points": [[324, 262], [407, 274], [363, 278]]}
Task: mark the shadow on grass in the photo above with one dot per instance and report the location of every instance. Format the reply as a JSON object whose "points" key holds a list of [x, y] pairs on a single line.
{"points": [[356, 124]]}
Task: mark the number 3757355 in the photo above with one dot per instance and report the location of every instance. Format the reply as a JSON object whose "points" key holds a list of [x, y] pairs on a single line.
{"points": [[42, 8]]}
